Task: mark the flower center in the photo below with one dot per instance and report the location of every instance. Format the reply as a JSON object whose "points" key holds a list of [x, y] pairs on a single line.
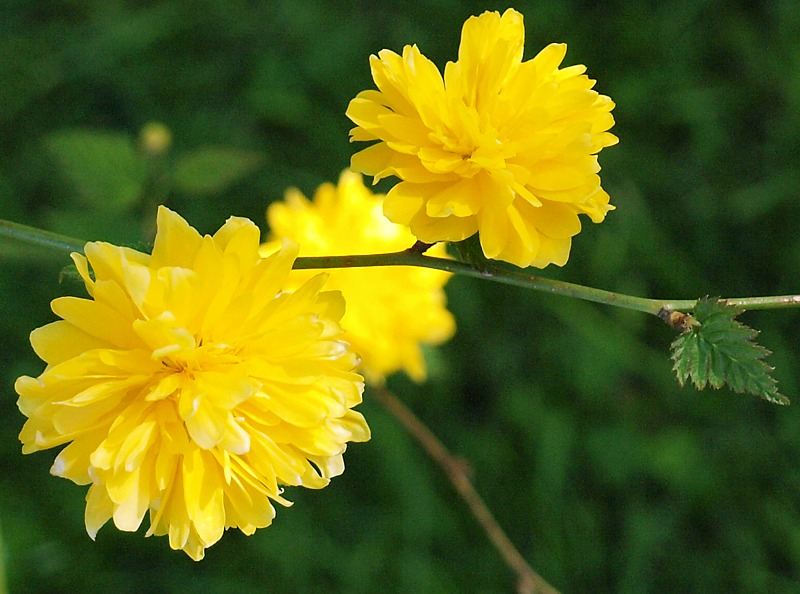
{"points": [[203, 357], [469, 145]]}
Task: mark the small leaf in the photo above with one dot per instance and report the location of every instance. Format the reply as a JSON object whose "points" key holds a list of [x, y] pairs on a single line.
{"points": [[720, 350], [212, 169], [102, 167]]}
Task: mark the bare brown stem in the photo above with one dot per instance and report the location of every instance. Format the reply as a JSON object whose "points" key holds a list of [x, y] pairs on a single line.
{"points": [[529, 582]]}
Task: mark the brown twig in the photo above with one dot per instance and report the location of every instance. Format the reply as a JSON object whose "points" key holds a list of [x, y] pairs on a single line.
{"points": [[529, 582]]}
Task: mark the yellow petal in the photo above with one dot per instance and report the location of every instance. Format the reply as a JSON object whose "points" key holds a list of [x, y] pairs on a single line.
{"points": [[99, 509], [59, 341], [462, 199], [552, 251], [176, 242], [203, 496], [239, 237], [402, 203], [129, 492], [95, 319]]}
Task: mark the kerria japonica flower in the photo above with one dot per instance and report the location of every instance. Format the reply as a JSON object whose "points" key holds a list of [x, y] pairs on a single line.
{"points": [[391, 310], [499, 147], [190, 386]]}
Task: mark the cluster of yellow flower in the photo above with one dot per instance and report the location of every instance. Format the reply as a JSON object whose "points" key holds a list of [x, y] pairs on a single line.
{"points": [[498, 146], [199, 380]]}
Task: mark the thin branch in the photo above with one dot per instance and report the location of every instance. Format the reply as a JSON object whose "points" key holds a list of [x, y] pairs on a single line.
{"points": [[413, 256], [489, 272], [537, 283], [40, 238], [529, 582]]}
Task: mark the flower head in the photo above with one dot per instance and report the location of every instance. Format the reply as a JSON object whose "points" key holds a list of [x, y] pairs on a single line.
{"points": [[390, 310], [190, 386], [498, 146]]}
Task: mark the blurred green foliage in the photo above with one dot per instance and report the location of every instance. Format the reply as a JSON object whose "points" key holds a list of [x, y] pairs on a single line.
{"points": [[608, 476]]}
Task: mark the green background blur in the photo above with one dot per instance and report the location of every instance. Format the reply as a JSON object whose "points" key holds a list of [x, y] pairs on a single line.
{"points": [[606, 474]]}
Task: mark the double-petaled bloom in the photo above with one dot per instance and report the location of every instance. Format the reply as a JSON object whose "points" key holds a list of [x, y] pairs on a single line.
{"points": [[191, 386], [391, 311], [497, 146]]}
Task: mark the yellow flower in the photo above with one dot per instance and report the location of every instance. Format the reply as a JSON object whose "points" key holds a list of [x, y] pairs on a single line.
{"points": [[501, 147], [190, 386], [390, 310]]}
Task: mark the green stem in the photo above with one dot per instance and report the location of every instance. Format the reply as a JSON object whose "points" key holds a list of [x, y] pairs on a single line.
{"points": [[40, 238], [770, 302], [414, 257], [508, 277]]}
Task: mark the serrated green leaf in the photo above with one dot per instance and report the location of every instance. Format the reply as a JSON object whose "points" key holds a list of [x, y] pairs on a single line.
{"points": [[102, 167], [212, 169], [722, 351]]}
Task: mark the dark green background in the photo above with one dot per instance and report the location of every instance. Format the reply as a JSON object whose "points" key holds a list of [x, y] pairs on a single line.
{"points": [[607, 475]]}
